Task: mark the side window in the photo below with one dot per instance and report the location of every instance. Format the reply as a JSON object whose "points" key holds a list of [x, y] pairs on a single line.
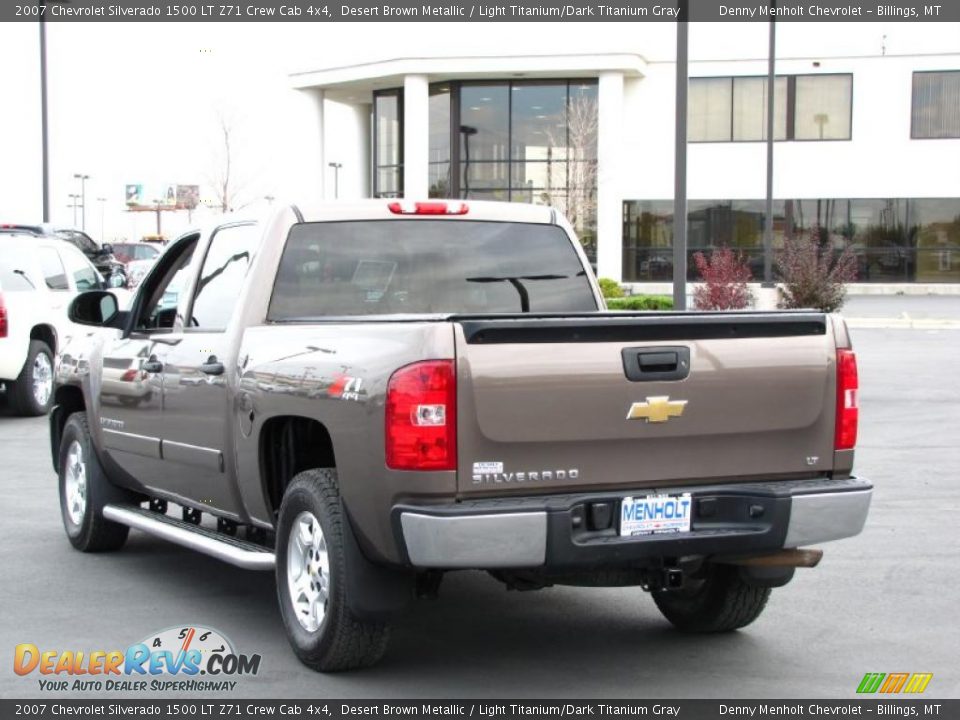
{"points": [[221, 279], [159, 296], [52, 267], [85, 276]]}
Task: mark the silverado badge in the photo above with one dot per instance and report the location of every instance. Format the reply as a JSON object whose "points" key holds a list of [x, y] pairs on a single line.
{"points": [[657, 409]]}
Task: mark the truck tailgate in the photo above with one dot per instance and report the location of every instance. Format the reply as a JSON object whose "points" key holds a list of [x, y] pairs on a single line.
{"points": [[545, 403]]}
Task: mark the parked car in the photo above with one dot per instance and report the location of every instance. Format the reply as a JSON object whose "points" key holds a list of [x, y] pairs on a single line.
{"points": [[102, 258], [127, 252], [38, 278], [381, 392], [138, 258]]}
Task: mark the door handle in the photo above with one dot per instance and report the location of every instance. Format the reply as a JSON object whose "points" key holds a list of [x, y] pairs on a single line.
{"points": [[153, 366], [212, 366], [656, 363]]}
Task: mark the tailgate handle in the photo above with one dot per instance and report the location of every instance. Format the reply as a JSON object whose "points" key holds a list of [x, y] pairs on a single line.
{"points": [[662, 363]]}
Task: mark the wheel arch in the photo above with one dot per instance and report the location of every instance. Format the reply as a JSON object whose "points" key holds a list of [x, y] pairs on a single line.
{"points": [[67, 399], [46, 334], [290, 444]]}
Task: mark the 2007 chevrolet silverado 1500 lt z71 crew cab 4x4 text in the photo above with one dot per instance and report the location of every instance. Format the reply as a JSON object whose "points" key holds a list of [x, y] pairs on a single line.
{"points": [[376, 393]]}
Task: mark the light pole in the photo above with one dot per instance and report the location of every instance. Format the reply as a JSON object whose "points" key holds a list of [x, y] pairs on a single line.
{"points": [[336, 179], [768, 209], [73, 203], [680, 160], [103, 234], [83, 199], [269, 199], [44, 149]]}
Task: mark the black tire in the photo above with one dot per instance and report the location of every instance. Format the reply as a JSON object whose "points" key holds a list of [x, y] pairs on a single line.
{"points": [[89, 532], [719, 602], [341, 641], [20, 391]]}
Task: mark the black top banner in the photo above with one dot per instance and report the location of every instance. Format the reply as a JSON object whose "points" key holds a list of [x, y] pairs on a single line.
{"points": [[468, 11]]}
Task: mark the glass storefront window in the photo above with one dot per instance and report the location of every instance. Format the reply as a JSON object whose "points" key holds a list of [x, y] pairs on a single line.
{"points": [[806, 107], [439, 128], [893, 239], [520, 141], [823, 106], [937, 237], [710, 109], [484, 122], [582, 121], [388, 143], [538, 122], [750, 108], [936, 105]]}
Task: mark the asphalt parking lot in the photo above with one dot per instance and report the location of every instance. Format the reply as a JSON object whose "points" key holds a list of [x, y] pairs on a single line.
{"points": [[885, 601]]}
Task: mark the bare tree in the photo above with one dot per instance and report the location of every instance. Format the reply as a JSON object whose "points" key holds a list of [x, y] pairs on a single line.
{"points": [[580, 143], [228, 185], [582, 125]]}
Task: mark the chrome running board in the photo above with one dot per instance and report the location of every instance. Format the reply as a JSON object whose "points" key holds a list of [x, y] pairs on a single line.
{"points": [[243, 554]]}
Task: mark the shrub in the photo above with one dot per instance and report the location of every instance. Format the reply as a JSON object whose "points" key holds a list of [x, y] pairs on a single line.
{"points": [[813, 275], [641, 302], [610, 288], [725, 276]]}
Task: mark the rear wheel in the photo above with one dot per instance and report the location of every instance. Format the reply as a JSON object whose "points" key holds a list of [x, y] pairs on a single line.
{"points": [[85, 490], [720, 601], [311, 568], [32, 392]]}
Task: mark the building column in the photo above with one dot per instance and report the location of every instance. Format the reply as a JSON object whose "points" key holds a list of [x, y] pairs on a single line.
{"points": [[312, 159], [416, 136], [610, 146]]}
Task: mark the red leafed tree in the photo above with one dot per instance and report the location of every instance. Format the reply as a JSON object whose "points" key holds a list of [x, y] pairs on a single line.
{"points": [[725, 276]]}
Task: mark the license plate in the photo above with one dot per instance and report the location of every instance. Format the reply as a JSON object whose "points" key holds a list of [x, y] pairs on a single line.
{"points": [[655, 514]]}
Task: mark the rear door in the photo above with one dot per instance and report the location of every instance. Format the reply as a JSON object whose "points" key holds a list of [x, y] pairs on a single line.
{"points": [[196, 371], [609, 402]]}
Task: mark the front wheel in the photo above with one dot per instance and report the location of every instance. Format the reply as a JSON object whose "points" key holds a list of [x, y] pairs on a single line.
{"points": [[85, 490], [720, 601], [311, 569]]}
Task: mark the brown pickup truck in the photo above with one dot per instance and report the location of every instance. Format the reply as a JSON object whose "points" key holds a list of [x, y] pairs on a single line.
{"points": [[368, 395]]}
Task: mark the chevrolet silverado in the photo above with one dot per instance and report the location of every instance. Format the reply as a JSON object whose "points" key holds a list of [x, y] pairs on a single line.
{"points": [[365, 396]]}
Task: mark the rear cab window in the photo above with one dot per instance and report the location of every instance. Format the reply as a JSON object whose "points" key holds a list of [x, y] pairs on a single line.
{"points": [[382, 267]]}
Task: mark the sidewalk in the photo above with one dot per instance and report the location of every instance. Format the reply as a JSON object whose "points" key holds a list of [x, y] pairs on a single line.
{"points": [[922, 312]]}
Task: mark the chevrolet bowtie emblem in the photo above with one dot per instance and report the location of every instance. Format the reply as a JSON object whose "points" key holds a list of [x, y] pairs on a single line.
{"points": [[657, 409]]}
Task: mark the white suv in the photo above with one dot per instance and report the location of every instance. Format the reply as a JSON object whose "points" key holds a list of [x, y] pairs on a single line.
{"points": [[38, 279]]}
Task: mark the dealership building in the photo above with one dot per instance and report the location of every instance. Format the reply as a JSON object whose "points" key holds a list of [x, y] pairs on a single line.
{"points": [[866, 152]]}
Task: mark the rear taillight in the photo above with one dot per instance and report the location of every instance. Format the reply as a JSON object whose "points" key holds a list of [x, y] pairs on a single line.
{"points": [[421, 417], [848, 407], [3, 318], [428, 208]]}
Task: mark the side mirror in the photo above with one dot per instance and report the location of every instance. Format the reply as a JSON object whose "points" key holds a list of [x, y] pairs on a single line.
{"points": [[106, 249], [98, 308]]}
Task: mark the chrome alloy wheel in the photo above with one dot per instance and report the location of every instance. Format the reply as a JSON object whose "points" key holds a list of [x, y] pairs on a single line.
{"points": [[75, 483], [308, 571], [42, 379]]}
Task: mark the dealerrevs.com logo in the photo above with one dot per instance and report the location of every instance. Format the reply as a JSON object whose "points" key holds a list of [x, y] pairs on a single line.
{"points": [[171, 660]]}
